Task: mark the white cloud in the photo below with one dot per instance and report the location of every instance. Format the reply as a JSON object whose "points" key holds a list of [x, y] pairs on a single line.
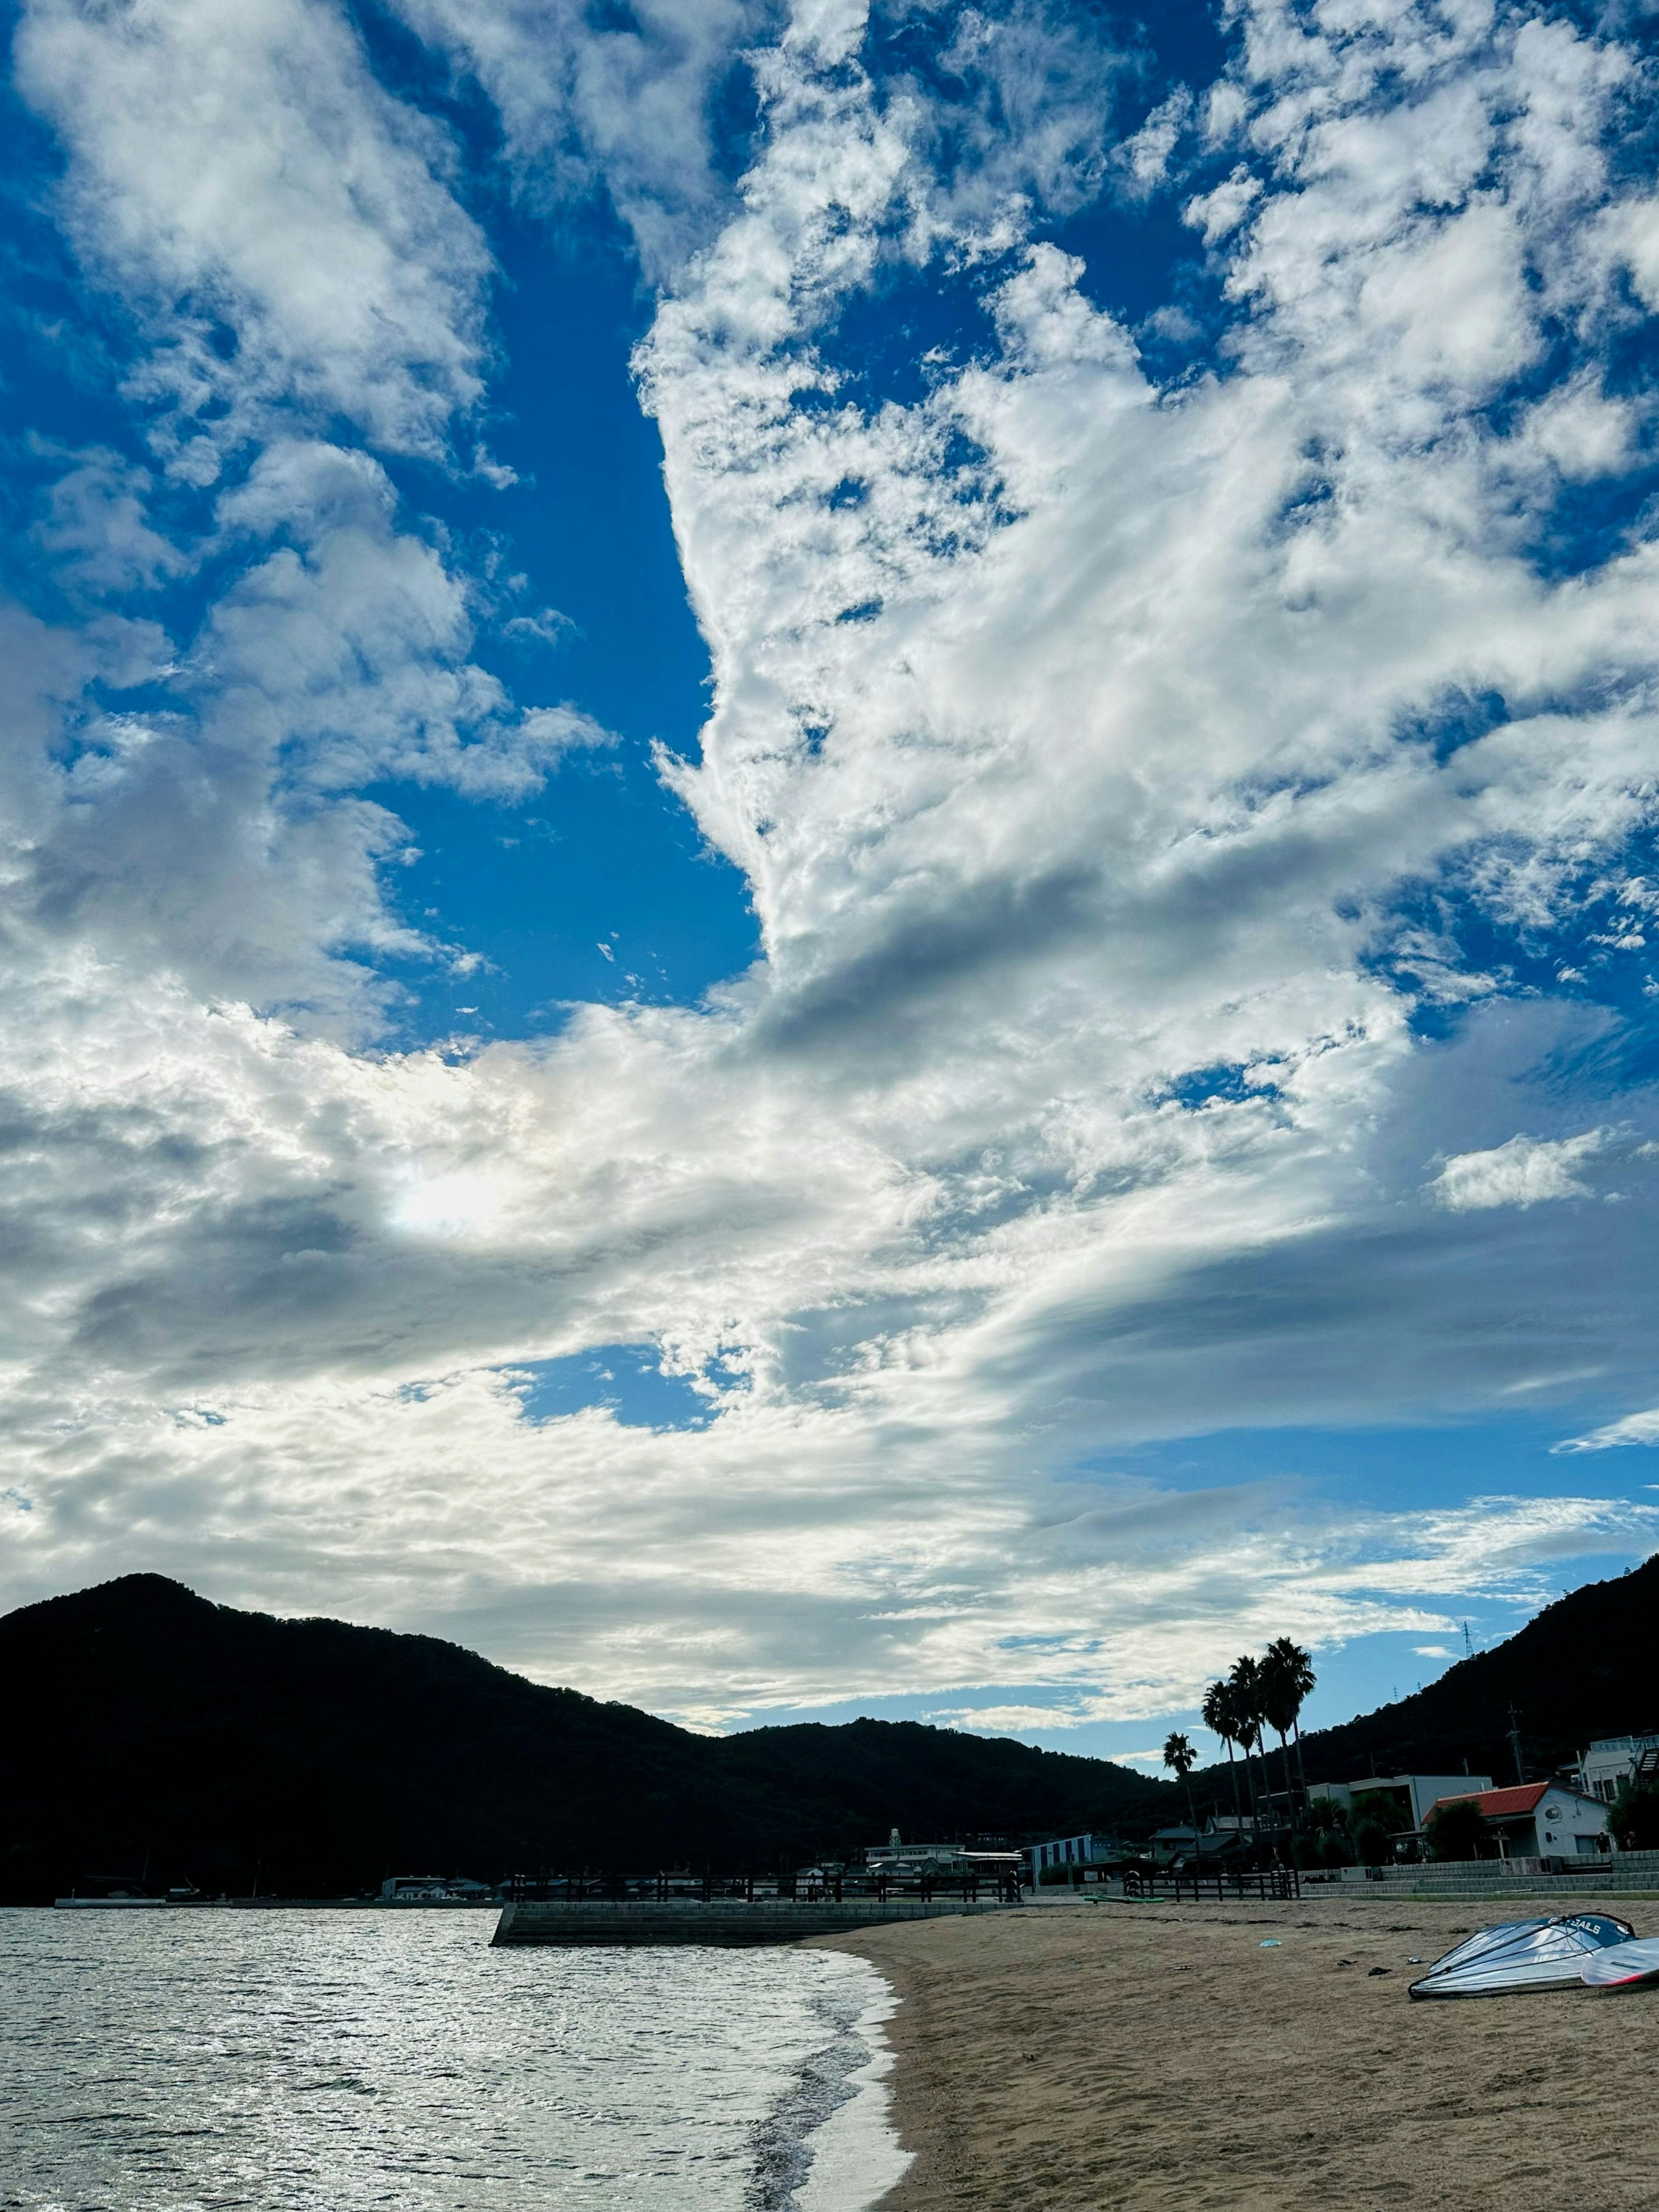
{"points": [[1145, 156], [1523, 1171], [283, 235], [240, 170], [707, 1586], [1079, 739], [213, 836], [1633, 1429], [1218, 213], [349, 641], [639, 104], [93, 530], [624, 104]]}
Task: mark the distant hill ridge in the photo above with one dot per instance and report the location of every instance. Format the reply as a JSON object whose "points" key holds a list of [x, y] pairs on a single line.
{"points": [[1586, 1665], [148, 1727]]}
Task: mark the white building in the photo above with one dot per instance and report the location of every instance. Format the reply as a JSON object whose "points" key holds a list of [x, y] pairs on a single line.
{"points": [[911, 1858], [1540, 1819], [1399, 1802], [432, 1889], [893, 1857], [1612, 1759]]}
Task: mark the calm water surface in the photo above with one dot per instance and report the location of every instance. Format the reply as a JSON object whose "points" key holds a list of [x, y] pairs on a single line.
{"points": [[190, 2060]]}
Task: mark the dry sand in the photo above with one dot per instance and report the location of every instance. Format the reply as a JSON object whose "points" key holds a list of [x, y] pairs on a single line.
{"points": [[1106, 2057]]}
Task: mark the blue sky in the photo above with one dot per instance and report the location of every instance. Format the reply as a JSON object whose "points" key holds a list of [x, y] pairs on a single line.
{"points": [[828, 875]]}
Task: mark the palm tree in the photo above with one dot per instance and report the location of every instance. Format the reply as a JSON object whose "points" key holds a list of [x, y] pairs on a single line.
{"points": [[1244, 1735], [1179, 1754], [1295, 1667], [1245, 1681], [1278, 1706], [1220, 1719]]}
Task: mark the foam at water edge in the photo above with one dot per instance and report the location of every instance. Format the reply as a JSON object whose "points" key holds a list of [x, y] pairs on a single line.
{"points": [[826, 2144], [856, 2151]]}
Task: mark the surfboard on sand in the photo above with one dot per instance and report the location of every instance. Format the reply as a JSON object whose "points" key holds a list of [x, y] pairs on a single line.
{"points": [[1546, 1954], [1622, 1966]]}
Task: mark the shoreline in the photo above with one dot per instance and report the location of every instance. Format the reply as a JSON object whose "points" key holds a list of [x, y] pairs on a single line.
{"points": [[855, 2157], [1148, 2057]]}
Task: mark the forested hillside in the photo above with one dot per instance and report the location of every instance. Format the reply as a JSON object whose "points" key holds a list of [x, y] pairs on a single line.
{"points": [[153, 1732]]}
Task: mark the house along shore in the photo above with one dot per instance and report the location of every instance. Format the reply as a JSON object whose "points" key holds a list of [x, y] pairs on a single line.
{"points": [[1119, 2057]]}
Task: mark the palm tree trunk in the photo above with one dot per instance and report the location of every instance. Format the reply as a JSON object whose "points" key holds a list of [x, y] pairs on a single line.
{"points": [[1258, 1810], [1192, 1814], [1290, 1796], [1266, 1779], [1301, 1771], [1232, 1776]]}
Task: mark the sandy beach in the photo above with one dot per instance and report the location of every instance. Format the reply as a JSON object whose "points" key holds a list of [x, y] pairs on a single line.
{"points": [[1074, 2058]]}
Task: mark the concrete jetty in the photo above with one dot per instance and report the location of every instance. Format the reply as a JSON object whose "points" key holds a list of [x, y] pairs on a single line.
{"points": [[727, 1922]]}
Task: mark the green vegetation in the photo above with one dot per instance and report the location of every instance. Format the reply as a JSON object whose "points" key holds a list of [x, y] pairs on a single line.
{"points": [[1456, 1831], [1373, 1843], [1586, 1665], [1258, 1695], [150, 1726], [1180, 1758], [1287, 1677], [153, 1726], [1633, 1817], [1329, 1840], [1221, 1716]]}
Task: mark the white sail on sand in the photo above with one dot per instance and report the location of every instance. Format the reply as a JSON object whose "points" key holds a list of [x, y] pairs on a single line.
{"points": [[1545, 1953]]}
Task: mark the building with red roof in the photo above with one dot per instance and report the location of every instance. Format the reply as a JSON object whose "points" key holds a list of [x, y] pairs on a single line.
{"points": [[1539, 1820]]}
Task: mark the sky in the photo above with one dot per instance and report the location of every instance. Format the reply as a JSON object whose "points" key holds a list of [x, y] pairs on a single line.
{"points": [[828, 879]]}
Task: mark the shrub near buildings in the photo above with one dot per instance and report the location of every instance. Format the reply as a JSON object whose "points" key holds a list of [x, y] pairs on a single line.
{"points": [[1633, 1817], [1456, 1831]]}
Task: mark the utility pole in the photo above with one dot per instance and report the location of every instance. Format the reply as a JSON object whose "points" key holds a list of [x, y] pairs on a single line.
{"points": [[1515, 1744]]}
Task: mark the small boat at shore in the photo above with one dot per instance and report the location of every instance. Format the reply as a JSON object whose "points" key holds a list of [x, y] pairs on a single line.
{"points": [[1546, 1954]]}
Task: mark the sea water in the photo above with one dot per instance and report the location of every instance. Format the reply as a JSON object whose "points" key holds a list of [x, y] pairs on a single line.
{"points": [[290, 2060]]}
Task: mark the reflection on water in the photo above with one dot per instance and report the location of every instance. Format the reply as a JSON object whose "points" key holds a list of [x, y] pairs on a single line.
{"points": [[200, 2058]]}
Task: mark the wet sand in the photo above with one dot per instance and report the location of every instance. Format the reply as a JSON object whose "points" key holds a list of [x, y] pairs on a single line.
{"points": [[1110, 2057]]}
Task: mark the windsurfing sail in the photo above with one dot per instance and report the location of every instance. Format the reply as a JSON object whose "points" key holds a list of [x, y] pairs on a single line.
{"points": [[1622, 1966], [1523, 1955]]}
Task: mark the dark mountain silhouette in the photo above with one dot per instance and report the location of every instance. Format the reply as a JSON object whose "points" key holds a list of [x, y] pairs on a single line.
{"points": [[152, 1733], [1586, 1665]]}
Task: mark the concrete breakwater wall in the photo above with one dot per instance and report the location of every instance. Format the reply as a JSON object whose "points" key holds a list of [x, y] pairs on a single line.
{"points": [[728, 1923]]}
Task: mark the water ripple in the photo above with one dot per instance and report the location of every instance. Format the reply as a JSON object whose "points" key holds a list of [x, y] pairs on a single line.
{"points": [[202, 2060]]}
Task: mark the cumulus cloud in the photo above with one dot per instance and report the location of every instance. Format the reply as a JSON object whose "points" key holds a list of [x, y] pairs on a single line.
{"points": [[94, 530], [281, 225], [626, 104], [281, 235], [350, 639], [1129, 771], [205, 824], [1522, 1172]]}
